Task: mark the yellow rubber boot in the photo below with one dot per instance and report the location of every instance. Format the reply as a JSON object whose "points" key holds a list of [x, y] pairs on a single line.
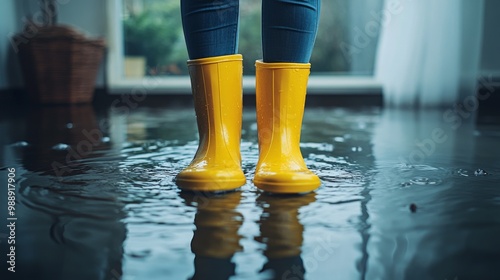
{"points": [[281, 93], [217, 90]]}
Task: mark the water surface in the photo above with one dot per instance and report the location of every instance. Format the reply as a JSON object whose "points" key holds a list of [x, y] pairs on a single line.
{"points": [[405, 195]]}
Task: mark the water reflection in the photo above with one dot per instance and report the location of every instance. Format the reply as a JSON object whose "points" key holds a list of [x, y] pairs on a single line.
{"points": [[59, 137], [69, 231], [454, 232], [71, 228], [215, 239], [282, 234]]}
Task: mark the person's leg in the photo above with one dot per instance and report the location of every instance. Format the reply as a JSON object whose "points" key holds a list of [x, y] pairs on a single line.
{"points": [[289, 30], [211, 31], [210, 27]]}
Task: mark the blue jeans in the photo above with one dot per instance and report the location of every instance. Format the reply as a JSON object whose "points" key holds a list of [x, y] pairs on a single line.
{"points": [[289, 28]]}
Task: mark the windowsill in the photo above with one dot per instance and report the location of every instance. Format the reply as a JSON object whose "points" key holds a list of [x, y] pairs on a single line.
{"points": [[318, 85]]}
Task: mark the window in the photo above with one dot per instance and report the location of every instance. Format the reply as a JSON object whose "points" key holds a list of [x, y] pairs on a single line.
{"points": [[148, 45]]}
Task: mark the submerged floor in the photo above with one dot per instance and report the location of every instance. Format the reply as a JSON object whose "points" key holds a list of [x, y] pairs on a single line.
{"points": [[405, 195]]}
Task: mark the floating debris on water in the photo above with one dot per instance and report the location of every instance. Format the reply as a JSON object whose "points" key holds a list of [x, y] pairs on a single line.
{"points": [[413, 207]]}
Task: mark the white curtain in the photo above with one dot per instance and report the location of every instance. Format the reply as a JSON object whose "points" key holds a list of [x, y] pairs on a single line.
{"points": [[429, 51]]}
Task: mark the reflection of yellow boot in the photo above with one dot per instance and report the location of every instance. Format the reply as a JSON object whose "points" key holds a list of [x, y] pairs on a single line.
{"points": [[217, 223], [281, 91], [280, 228], [217, 90]]}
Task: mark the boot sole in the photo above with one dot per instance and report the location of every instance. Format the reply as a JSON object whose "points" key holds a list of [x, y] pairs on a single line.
{"points": [[209, 186]]}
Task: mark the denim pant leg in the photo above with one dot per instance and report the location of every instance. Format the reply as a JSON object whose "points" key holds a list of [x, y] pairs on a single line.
{"points": [[210, 27], [289, 29]]}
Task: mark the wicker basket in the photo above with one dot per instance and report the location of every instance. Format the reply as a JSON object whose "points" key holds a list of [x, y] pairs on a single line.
{"points": [[60, 65]]}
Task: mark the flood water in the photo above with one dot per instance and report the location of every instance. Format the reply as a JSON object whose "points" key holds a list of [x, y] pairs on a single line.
{"points": [[404, 195]]}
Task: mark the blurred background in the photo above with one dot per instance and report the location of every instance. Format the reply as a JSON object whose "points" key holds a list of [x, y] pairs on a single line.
{"points": [[418, 54]]}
